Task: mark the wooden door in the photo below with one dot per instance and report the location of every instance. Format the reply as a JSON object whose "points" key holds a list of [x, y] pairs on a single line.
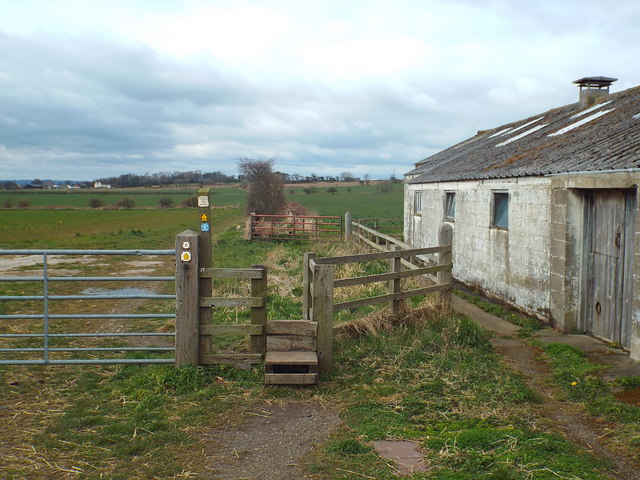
{"points": [[607, 271]]}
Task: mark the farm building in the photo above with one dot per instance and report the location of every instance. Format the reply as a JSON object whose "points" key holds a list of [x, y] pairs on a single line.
{"points": [[545, 212]]}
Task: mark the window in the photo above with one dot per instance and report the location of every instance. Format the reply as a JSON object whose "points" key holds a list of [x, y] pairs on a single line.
{"points": [[417, 203], [500, 210], [449, 205]]}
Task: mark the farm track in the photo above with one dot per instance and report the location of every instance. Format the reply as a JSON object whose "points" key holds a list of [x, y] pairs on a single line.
{"points": [[556, 412]]}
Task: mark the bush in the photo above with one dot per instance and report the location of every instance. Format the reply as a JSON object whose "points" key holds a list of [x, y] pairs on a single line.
{"points": [[266, 195], [24, 203], [166, 202], [7, 204], [96, 203], [126, 202], [332, 190], [191, 202], [384, 186]]}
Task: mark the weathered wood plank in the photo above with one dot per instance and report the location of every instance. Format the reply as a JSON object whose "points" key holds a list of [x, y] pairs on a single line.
{"points": [[231, 359], [367, 257], [291, 358], [323, 314], [382, 277], [187, 308], [445, 238], [243, 302], [292, 327], [290, 343], [239, 273], [307, 279], [387, 297], [259, 312], [231, 330], [290, 378]]}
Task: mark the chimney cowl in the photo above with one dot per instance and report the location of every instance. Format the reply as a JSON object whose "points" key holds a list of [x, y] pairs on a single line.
{"points": [[593, 88]]}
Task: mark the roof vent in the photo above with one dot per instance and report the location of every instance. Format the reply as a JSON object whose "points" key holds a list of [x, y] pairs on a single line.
{"points": [[593, 88]]}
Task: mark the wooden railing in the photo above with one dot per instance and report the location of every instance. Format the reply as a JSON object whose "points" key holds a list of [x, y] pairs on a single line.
{"points": [[320, 283]]}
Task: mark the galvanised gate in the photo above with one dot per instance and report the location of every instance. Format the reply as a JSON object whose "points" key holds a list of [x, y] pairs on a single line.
{"points": [[33, 335]]}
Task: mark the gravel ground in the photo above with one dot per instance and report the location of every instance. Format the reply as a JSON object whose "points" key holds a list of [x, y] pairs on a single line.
{"points": [[272, 444]]}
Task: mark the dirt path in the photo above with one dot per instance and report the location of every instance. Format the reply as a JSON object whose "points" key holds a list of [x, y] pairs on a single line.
{"points": [[270, 443], [568, 418]]}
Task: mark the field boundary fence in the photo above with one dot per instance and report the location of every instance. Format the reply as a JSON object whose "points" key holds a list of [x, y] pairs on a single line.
{"points": [[13, 345], [292, 227], [319, 282]]}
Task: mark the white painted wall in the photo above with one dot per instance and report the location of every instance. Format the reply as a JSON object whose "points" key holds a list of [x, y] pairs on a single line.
{"points": [[512, 264]]}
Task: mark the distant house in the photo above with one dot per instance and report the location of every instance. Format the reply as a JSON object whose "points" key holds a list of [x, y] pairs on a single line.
{"points": [[545, 212]]}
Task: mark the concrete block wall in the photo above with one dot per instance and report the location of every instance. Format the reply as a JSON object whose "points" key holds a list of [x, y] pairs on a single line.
{"points": [[512, 264]]}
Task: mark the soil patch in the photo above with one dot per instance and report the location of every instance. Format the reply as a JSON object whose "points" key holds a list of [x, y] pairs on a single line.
{"points": [[272, 444]]}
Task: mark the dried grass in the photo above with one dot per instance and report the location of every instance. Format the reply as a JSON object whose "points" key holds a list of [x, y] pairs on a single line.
{"points": [[385, 321]]}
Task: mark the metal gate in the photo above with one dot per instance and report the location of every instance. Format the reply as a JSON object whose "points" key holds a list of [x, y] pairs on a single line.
{"points": [[32, 325]]}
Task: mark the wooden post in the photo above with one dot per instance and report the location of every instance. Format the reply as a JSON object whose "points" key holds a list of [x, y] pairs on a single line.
{"points": [[445, 238], [252, 219], [259, 314], [307, 279], [323, 314], [204, 260], [347, 227], [394, 284], [187, 299]]}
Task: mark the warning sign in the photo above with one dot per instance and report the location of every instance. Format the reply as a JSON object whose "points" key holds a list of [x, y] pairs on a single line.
{"points": [[204, 217]]}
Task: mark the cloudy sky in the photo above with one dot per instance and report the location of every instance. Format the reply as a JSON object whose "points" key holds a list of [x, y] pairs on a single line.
{"points": [[90, 89]]}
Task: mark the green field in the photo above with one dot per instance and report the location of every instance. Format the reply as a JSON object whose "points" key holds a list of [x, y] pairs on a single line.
{"points": [[62, 219], [117, 229], [364, 201]]}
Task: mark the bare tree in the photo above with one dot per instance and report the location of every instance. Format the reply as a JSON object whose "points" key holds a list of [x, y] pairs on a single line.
{"points": [[266, 196]]}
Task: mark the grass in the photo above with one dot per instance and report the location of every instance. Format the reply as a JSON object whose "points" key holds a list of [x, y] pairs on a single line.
{"points": [[579, 379], [362, 200], [439, 383], [434, 380], [121, 229]]}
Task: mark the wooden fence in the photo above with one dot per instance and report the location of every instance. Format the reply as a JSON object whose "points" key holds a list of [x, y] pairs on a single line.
{"points": [[194, 329], [290, 227], [392, 227], [319, 284]]}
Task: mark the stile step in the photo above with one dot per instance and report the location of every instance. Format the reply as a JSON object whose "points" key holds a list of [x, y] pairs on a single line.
{"points": [[290, 378], [292, 358]]}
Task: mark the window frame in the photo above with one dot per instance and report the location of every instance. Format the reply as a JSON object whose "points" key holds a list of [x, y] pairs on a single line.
{"points": [[417, 202], [449, 200], [498, 197]]}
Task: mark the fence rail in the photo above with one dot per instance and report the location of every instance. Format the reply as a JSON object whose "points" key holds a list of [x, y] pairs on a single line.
{"points": [[289, 227], [9, 348], [320, 283]]}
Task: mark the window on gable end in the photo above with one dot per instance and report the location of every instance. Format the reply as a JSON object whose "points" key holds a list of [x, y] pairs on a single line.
{"points": [[417, 203], [449, 205], [500, 214]]}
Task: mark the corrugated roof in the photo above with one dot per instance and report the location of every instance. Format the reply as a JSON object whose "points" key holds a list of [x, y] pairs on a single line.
{"points": [[562, 140]]}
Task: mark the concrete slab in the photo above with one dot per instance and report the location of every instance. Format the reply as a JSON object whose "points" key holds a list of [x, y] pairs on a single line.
{"points": [[407, 457], [484, 319]]}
